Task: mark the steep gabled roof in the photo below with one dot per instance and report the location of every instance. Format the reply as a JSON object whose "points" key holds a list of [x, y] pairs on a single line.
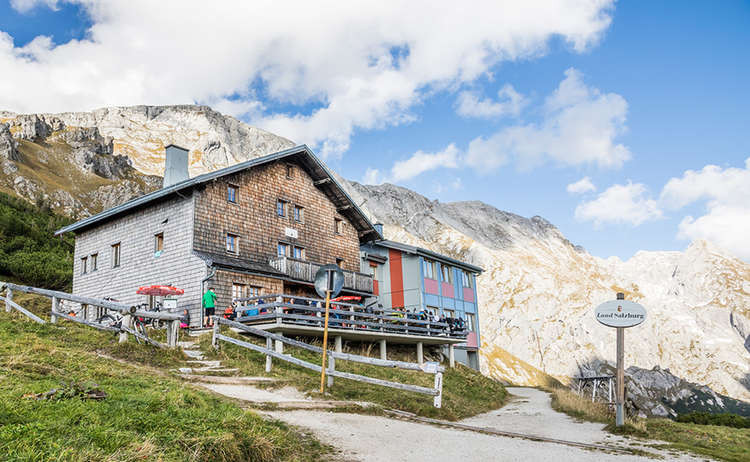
{"points": [[410, 249], [322, 177]]}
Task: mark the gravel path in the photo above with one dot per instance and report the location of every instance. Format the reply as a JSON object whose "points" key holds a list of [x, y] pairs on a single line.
{"points": [[371, 438]]}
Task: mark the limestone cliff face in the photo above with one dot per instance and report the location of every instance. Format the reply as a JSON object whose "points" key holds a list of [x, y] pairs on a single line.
{"points": [[538, 293], [83, 162]]}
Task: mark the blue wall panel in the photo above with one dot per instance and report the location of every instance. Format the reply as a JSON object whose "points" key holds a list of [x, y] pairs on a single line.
{"points": [[432, 300]]}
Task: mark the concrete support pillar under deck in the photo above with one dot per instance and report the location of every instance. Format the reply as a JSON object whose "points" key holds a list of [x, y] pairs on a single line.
{"points": [[383, 354], [452, 356], [338, 341], [420, 353]]}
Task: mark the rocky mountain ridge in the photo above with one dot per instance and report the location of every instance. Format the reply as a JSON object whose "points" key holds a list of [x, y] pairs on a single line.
{"points": [[537, 292]]}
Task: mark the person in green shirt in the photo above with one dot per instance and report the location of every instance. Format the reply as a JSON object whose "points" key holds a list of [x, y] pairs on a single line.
{"points": [[209, 306]]}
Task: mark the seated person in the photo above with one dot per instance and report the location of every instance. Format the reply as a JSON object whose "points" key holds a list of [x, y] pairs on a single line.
{"points": [[185, 319]]}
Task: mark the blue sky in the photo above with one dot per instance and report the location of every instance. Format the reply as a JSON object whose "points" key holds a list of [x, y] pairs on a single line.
{"points": [[669, 80]]}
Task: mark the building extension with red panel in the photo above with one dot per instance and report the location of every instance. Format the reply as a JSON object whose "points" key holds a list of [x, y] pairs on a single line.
{"points": [[417, 279]]}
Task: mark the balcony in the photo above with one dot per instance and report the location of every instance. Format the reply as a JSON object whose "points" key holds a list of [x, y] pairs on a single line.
{"points": [[305, 271]]}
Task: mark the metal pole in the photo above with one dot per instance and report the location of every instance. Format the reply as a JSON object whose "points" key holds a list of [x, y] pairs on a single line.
{"points": [[325, 342], [619, 406]]}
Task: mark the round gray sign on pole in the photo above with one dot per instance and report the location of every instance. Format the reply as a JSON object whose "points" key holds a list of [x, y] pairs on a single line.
{"points": [[620, 313], [329, 278]]}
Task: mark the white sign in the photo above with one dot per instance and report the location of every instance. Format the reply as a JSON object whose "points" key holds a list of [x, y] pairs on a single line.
{"points": [[291, 232], [620, 313]]}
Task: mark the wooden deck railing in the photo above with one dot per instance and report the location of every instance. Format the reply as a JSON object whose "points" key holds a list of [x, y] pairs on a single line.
{"points": [[305, 271], [344, 316], [428, 367], [128, 312]]}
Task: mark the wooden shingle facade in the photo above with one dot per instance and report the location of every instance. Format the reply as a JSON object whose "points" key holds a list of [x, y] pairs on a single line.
{"points": [[260, 227]]}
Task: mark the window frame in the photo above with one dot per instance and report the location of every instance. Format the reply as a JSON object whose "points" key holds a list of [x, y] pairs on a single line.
{"points": [[84, 265], [338, 226], [301, 253], [298, 213], [116, 254], [470, 322], [233, 198], [466, 279], [235, 239], [289, 171], [287, 248], [159, 242], [94, 261], [446, 273], [427, 263], [243, 290], [281, 205]]}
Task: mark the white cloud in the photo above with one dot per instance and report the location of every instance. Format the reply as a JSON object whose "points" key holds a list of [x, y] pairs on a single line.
{"points": [[624, 204], [726, 193], [581, 186], [421, 162], [509, 102], [24, 6], [345, 65], [372, 176], [580, 125]]}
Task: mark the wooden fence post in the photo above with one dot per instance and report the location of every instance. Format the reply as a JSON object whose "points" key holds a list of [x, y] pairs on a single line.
{"points": [[420, 353], [172, 332], [126, 323], [8, 296], [331, 368], [55, 308], [438, 400], [269, 345], [215, 341]]}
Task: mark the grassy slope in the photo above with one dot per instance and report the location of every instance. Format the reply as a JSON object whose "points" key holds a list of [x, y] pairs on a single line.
{"points": [[724, 443], [465, 391], [148, 415]]}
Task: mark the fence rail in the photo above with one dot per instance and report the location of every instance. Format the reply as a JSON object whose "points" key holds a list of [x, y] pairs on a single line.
{"points": [[305, 271], [128, 312], [429, 367]]}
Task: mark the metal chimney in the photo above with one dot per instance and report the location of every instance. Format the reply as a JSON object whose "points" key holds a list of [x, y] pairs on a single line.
{"points": [[176, 165], [379, 228]]}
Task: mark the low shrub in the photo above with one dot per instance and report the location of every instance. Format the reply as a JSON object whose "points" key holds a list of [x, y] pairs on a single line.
{"points": [[705, 418]]}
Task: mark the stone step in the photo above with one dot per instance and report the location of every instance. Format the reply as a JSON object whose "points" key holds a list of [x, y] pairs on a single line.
{"points": [[215, 369], [194, 354], [206, 363], [228, 380]]}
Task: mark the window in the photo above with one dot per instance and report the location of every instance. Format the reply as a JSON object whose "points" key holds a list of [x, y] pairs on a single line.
{"points": [[233, 243], [281, 208], [299, 214], [449, 313], [429, 269], [337, 225], [253, 291], [84, 265], [232, 194], [94, 259], [470, 322], [238, 291], [447, 273], [340, 262], [158, 243], [290, 171], [299, 253], [283, 250], [373, 270], [116, 255], [466, 278]]}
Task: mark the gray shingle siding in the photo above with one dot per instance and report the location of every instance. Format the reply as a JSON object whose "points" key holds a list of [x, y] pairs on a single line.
{"points": [[177, 265]]}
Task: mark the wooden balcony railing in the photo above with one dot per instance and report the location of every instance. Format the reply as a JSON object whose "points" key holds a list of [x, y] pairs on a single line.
{"points": [[305, 271]]}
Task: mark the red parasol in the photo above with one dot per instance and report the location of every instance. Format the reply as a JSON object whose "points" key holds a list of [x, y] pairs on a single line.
{"points": [[346, 298], [159, 291]]}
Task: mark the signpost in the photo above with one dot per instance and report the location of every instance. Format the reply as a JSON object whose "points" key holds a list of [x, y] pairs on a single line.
{"points": [[620, 314], [328, 283]]}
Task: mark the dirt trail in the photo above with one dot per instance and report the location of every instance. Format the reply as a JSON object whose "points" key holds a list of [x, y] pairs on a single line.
{"points": [[371, 438]]}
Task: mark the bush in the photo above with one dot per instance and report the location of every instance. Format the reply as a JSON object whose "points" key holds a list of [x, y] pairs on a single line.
{"points": [[705, 418], [29, 252]]}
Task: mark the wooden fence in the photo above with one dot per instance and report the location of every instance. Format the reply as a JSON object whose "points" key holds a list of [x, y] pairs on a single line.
{"points": [[428, 367], [128, 312], [347, 316]]}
